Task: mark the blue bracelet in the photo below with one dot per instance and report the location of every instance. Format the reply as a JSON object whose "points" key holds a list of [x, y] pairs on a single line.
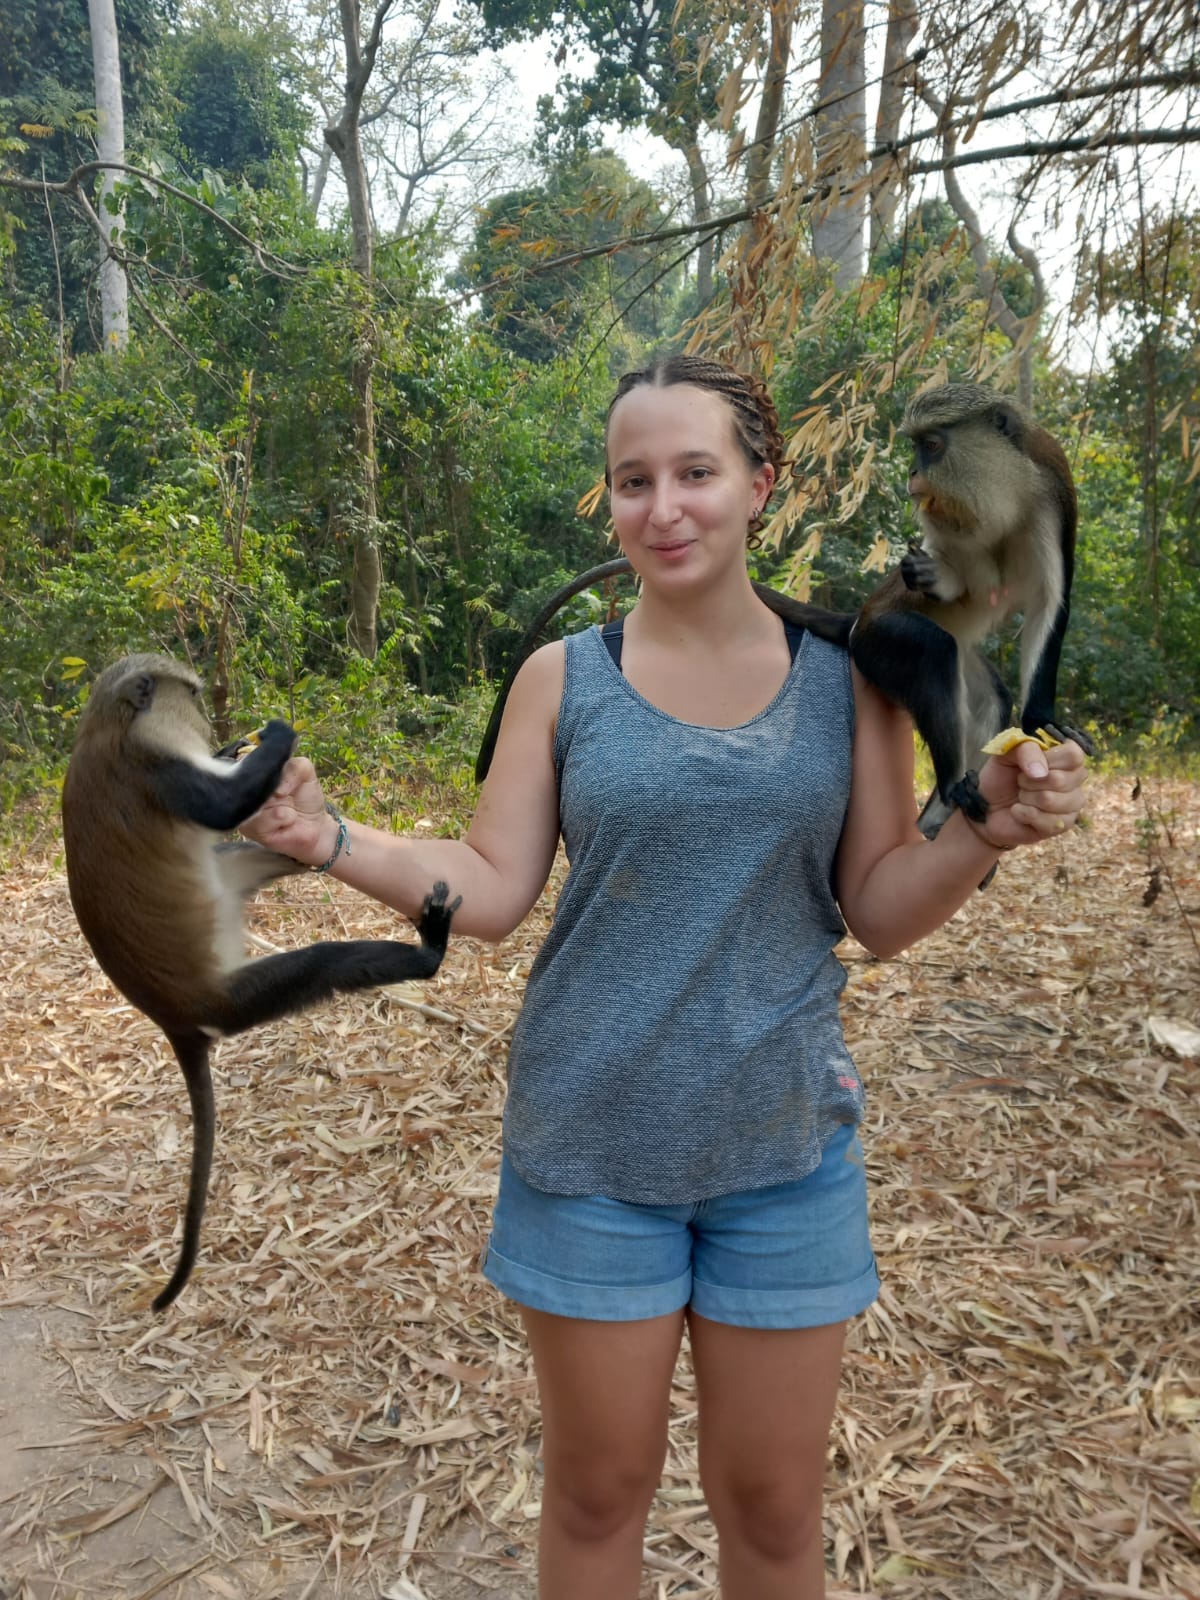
{"points": [[342, 841]]}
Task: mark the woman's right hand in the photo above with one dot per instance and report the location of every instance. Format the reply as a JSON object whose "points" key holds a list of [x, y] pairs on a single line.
{"points": [[294, 820]]}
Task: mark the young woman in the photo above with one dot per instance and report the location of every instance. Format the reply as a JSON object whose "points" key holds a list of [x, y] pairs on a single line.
{"points": [[680, 1140]]}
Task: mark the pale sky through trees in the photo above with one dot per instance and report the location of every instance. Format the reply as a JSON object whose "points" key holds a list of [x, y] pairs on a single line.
{"points": [[1163, 176]]}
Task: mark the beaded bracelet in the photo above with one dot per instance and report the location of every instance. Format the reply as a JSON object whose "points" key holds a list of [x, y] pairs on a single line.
{"points": [[343, 838]]}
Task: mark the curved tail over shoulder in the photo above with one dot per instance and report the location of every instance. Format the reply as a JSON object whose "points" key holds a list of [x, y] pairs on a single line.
{"points": [[833, 626]]}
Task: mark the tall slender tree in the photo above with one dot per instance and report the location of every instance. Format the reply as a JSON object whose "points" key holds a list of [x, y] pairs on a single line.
{"points": [[838, 218], [893, 100], [110, 143], [344, 138]]}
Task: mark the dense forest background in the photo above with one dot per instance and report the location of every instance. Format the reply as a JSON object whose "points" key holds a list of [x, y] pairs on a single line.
{"points": [[309, 316]]}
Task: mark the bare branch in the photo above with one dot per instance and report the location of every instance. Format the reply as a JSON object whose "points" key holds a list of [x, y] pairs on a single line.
{"points": [[122, 258], [1019, 331], [1059, 147], [1129, 85], [712, 229]]}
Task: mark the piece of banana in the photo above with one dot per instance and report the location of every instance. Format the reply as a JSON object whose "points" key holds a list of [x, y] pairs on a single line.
{"points": [[1012, 737]]}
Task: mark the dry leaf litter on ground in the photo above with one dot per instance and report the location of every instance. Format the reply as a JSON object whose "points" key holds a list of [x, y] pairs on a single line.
{"points": [[340, 1405]]}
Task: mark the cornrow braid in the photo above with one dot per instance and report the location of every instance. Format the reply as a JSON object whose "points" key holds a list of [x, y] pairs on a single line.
{"points": [[755, 419]]}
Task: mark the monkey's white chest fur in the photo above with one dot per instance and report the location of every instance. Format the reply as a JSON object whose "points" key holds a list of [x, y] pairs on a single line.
{"points": [[225, 906]]}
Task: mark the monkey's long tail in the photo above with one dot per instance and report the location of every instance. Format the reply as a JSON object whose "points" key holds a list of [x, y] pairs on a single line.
{"points": [[191, 1051], [833, 626], [529, 639]]}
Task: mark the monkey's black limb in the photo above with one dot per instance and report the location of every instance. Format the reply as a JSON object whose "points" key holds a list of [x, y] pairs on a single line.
{"points": [[966, 796], [191, 1051], [915, 664], [919, 570], [275, 986], [218, 800]]}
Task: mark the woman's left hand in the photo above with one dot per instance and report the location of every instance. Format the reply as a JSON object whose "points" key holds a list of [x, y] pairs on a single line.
{"points": [[1032, 794]]}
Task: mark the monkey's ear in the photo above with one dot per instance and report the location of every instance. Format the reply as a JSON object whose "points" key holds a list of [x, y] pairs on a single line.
{"points": [[1009, 422], [137, 688]]}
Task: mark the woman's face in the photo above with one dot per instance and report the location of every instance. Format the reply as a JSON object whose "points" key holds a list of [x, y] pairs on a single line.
{"points": [[682, 492]]}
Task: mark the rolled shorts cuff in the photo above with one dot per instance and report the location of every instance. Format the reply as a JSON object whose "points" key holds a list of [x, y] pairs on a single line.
{"points": [[785, 1308], [594, 1302]]}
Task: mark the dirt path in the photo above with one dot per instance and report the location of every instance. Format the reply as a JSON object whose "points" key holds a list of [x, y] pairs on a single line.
{"points": [[100, 1511]]}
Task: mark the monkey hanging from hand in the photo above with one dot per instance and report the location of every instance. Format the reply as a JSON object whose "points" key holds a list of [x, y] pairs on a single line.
{"points": [[996, 505], [159, 899]]}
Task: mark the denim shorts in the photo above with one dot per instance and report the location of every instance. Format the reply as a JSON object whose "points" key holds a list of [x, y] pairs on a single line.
{"points": [[795, 1255]]}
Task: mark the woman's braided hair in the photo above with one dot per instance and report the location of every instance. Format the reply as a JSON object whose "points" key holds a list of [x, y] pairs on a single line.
{"points": [[755, 419]]}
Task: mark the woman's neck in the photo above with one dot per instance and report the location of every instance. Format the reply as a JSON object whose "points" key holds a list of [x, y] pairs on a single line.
{"points": [[717, 615]]}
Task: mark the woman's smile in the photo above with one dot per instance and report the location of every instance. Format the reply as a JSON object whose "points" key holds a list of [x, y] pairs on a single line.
{"points": [[681, 490]]}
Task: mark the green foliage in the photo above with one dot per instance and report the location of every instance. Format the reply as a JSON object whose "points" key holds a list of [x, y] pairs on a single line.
{"points": [[47, 83], [586, 200], [657, 67], [233, 110], [190, 495]]}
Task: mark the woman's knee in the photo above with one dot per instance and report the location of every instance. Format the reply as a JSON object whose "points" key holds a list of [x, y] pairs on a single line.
{"points": [[777, 1520], [592, 1499]]}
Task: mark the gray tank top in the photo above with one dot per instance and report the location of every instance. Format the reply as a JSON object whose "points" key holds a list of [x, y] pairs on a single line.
{"points": [[680, 1036]]}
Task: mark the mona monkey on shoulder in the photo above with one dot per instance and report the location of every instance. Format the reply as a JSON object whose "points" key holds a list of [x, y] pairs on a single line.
{"points": [[159, 897], [996, 506]]}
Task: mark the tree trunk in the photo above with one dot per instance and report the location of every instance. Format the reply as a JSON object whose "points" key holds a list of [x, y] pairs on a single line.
{"points": [[885, 193], [344, 139], [1151, 525], [317, 192], [838, 218], [770, 107], [110, 142], [701, 213], [1019, 331]]}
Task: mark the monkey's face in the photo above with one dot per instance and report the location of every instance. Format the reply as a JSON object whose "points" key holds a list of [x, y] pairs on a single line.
{"points": [[970, 467], [682, 491], [935, 503], [956, 469]]}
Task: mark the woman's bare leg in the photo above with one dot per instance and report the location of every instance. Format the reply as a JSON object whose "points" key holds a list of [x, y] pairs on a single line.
{"points": [[604, 1389], [766, 1403]]}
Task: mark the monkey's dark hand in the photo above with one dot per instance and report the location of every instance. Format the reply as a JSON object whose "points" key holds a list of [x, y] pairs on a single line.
{"points": [[1063, 731], [238, 749], [278, 737], [919, 570], [434, 922]]}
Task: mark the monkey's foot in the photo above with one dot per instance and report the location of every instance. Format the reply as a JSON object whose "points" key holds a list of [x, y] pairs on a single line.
{"points": [[434, 922], [1063, 731], [919, 570], [966, 796]]}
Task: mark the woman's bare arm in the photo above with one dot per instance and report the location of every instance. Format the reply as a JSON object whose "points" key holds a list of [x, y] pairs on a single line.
{"points": [[893, 885], [499, 867]]}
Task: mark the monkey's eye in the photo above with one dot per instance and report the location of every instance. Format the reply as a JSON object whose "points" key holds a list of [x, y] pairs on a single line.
{"points": [[930, 447]]}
